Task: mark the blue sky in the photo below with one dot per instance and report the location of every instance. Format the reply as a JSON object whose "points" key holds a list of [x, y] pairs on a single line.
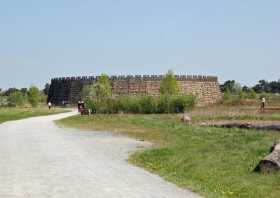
{"points": [[237, 39]]}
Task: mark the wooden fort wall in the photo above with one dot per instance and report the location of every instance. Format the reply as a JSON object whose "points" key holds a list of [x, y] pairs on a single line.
{"points": [[205, 88]]}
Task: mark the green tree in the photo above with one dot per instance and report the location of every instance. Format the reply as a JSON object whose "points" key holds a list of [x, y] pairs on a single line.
{"points": [[16, 98], [33, 96], [168, 85], [103, 87], [99, 90]]}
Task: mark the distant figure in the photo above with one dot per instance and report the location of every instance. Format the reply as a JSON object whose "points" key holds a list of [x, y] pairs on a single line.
{"points": [[263, 103], [50, 105], [81, 106]]}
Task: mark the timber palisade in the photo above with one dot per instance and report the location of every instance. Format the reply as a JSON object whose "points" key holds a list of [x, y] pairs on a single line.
{"points": [[69, 89]]}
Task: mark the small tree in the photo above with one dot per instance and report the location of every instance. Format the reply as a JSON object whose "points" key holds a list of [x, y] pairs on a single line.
{"points": [[33, 96], [168, 88], [252, 94], [103, 88], [97, 95], [16, 98], [168, 85]]}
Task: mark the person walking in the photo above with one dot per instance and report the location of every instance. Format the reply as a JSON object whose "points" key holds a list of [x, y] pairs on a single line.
{"points": [[49, 105], [263, 103]]}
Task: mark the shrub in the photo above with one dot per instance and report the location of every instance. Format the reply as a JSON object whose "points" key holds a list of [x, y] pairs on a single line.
{"points": [[134, 105], [147, 105], [122, 104], [252, 94], [180, 104], [163, 105], [242, 95], [33, 96], [16, 99], [227, 95]]}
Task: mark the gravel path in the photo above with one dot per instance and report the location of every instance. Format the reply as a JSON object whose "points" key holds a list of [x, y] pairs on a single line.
{"points": [[40, 160]]}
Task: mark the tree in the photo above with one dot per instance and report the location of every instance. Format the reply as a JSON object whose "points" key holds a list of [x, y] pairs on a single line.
{"points": [[168, 85], [103, 87], [46, 88], [100, 90], [33, 96], [9, 91], [227, 86], [16, 98]]}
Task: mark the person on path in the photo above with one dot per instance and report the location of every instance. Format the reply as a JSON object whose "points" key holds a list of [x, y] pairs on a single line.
{"points": [[49, 105], [263, 103]]}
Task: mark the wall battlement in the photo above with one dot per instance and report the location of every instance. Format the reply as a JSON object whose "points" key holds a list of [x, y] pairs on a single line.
{"points": [[139, 77], [69, 89]]}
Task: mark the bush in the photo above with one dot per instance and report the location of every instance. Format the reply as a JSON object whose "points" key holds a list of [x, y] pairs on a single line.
{"points": [[122, 104], [164, 104], [134, 105], [145, 104], [34, 96], [252, 94], [227, 95], [16, 99], [180, 104]]}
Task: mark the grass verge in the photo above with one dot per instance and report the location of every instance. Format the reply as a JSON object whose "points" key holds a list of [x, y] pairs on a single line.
{"points": [[215, 162], [7, 114]]}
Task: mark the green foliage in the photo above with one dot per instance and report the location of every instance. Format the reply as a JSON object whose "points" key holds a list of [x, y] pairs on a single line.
{"points": [[252, 94], [16, 98], [123, 104], [241, 95], [99, 91], [34, 96], [147, 105], [180, 104], [144, 104], [164, 104], [227, 95], [168, 85], [102, 88]]}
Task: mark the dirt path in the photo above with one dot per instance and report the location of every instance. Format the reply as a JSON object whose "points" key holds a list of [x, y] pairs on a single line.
{"points": [[38, 159]]}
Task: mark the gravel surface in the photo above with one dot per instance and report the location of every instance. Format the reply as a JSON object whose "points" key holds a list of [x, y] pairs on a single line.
{"points": [[39, 159]]}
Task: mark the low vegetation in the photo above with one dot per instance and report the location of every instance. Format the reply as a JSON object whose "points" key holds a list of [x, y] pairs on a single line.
{"points": [[215, 162], [99, 99]]}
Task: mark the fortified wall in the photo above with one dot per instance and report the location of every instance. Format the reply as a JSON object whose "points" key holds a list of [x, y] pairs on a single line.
{"points": [[69, 89]]}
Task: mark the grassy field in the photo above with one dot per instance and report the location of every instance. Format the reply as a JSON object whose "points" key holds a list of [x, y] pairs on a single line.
{"points": [[215, 162], [7, 114]]}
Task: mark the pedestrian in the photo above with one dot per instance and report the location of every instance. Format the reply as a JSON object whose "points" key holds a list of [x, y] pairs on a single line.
{"points": [[49, 105], [263, 102]]}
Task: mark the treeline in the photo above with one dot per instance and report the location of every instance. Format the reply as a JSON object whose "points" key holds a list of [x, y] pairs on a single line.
{"points": [[261, 87], [267, 87], [14, 97], [98, 97]]}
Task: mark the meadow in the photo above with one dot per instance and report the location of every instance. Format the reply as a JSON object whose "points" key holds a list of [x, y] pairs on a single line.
{"points": [[214, 162]]}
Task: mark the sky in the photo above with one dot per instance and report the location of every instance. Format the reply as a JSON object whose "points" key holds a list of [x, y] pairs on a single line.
{"points": [[234, 39]]}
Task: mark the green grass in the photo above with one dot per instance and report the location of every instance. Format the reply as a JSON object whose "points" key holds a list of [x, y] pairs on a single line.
{"points": [[7, 114], [215, 162], [259, 117]]}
